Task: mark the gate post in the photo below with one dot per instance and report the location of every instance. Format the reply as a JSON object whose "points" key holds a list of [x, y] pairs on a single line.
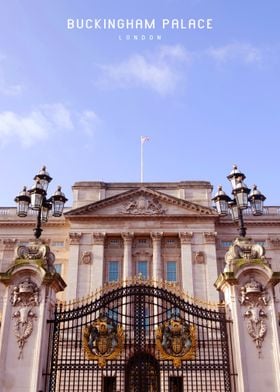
{"points": [[31, 285], [248, 286]]}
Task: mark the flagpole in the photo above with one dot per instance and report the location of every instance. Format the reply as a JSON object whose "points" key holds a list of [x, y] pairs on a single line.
{"points": [[143, 140], [142, 161]]}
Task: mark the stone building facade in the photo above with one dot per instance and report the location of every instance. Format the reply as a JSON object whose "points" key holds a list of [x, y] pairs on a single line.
{"points": [[165, 231], [156, 232]]}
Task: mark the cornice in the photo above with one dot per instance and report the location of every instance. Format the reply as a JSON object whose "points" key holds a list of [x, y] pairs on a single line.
{"points": [[166, 217]]}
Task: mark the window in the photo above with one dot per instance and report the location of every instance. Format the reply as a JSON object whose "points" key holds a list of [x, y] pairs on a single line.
{"points": [[58, 244], [171, 271], [58, 268], [173, 313], [113, 271], [113, 314], [226, 244], [142, 269], [114, 241]]}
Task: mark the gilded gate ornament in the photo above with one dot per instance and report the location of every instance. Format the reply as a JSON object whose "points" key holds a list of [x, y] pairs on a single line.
{"points": [[176, 341], [103, 340]]}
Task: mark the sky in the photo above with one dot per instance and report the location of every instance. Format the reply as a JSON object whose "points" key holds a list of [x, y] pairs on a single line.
{"points": [[78, 100]]}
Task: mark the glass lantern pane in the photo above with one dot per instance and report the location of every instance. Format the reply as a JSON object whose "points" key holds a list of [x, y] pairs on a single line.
{"points": [[222, 207], [234, 213], [57, 208], [242, 200], [257, 207], [44, 214], [233, 182], [22, 208], [36, 201], [44, 184]]}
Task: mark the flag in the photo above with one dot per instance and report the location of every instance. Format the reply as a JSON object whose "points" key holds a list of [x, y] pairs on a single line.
{"points": [[145, 139]]}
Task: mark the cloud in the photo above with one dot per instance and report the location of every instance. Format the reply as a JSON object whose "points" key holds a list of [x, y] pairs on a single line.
{"points": [[43, 122], [160, 71], [58, 114], [7, 88], [89, 121], [241, 52]]}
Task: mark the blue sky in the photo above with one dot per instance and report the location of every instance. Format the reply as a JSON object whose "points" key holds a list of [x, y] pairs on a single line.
{"points": [[79, 100]]}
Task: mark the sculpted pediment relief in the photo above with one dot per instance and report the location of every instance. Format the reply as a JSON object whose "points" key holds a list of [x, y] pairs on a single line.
{"points": [[143, 202]]}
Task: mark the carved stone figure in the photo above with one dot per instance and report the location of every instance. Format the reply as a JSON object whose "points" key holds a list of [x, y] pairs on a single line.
{"points": [[37, 251], [254, 297], [256, 325], [86, 257], [143, 205], [24, 297], [243, 248]]}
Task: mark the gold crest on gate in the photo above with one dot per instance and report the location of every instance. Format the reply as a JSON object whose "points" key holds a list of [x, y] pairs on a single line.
{"points": [[103, 340], [175, 340]]}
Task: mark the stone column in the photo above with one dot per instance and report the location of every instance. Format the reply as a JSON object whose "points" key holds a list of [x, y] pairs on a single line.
{"points": [[29, 300], [73, 266], [211, 265], [157, 267], [127, 255], [247, 283], [186, 262], [8, 249], [97, 279]]}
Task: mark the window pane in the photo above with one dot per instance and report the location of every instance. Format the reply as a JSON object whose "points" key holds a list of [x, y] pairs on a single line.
{"points": [[173, 312], [113, 271], [113, 314], [58, 268], [171, 271], [142, 268]]}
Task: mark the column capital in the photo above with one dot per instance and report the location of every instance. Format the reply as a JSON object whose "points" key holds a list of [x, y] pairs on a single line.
{"points": [[127, 237], [156, 236], [75, 238], [186, 237], [98, 238], [210, 237]]}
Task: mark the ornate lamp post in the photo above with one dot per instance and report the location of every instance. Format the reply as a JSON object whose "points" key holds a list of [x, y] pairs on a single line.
{"points": [[36, 200], [242, 196]]}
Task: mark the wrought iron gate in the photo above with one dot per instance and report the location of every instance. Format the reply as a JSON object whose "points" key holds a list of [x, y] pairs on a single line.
{"points": [[138, 337]]}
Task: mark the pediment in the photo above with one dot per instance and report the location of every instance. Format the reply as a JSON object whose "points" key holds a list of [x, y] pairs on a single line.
{"points": [[141, 202]]}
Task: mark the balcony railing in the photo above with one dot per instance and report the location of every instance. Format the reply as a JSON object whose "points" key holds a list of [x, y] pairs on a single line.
{"points": [[12, 211]]}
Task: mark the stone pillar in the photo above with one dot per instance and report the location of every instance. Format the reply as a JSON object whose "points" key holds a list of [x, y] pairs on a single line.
{"points": [[247, 283], [127, 255], [211, 265], [186, 262], [157, 267], [97, 279], [8, 249], [29, 299], [73, 266]]}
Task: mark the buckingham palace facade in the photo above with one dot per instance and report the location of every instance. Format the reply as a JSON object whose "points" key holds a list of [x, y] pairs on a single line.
{"points": [[167, 236]]}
